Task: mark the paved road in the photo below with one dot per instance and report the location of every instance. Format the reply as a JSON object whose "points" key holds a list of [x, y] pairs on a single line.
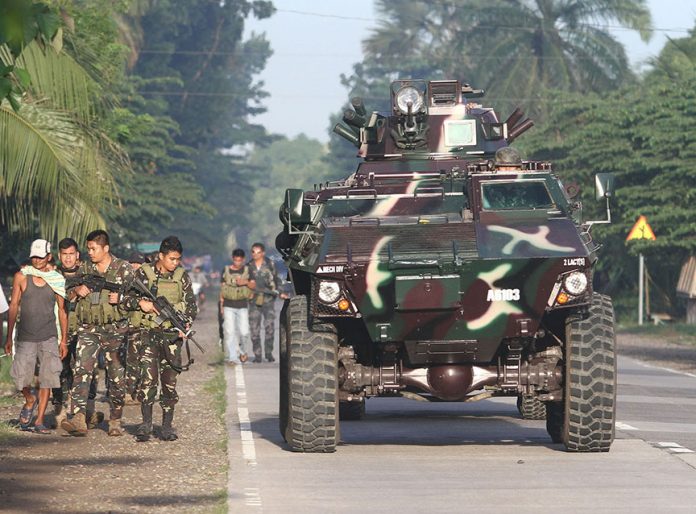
{"points": [[408, 456]]}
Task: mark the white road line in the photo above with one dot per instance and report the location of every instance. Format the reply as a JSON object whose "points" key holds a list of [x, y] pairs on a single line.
{"points": [[624, 426], [672, 447], [662, 368], [247, 436]]}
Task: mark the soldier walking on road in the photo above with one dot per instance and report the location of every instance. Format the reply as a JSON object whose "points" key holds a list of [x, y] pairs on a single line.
{"points": [[161, 344], [38, 290], [262, 304], [235, 291], [102, 324], [69, 256]]}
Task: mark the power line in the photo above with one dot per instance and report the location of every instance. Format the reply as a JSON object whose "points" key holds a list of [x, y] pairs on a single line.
{"points": [[491, 27]]}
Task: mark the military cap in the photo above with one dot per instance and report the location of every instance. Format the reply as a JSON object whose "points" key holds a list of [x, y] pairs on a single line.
{"points": [[508, 156]]}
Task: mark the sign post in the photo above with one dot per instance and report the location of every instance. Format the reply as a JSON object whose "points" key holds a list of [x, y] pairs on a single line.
{"points": [[641, 230]]}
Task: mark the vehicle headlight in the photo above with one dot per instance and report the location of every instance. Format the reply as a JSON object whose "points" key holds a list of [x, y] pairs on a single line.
{"points": [[329, 292], [575, 283], [409, 94]]}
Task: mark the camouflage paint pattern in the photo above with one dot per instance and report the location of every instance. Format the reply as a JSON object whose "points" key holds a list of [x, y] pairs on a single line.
{"points": [[419, 255]]}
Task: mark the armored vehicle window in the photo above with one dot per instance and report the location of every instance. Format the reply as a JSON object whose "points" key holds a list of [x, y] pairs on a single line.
{"points": [[519, 195]]}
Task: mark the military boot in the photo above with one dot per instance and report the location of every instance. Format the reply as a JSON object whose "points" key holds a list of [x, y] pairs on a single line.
{"points": [[168, 433], [77, 426], [93, 417], [115, 427], [145, 429], [60, 413]]}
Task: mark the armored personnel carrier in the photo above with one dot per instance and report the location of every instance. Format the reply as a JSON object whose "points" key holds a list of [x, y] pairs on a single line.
{"points": [[438, 272]]}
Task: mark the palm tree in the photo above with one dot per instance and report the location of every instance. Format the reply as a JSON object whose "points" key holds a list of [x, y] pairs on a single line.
{"points": [[517, 49], [56, 169]]}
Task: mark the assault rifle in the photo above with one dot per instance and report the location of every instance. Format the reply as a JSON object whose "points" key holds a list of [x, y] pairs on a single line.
{"points": [[94, 283], [166, 311]]}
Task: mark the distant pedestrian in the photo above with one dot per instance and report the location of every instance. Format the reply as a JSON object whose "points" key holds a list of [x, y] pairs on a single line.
{"points": [[38, 290], [235, 292], [262, 304]]}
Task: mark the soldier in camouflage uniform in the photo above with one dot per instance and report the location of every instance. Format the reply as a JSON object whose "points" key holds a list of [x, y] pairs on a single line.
{"points": [[103, 324], [262, 304], [161, 345], [69, 256]]}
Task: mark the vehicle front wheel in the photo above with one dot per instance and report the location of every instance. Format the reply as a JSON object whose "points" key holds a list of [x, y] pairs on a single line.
{"points": [[313, 382], [584, 420]]}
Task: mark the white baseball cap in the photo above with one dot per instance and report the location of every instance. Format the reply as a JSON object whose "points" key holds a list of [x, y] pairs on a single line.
{"points": [[40, 248]]}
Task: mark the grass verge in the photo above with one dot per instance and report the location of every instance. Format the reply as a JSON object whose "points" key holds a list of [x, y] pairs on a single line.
{"points": [[215, 388]]}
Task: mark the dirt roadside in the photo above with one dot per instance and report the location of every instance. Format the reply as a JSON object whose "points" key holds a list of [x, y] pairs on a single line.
{"points": [[55, 473]]}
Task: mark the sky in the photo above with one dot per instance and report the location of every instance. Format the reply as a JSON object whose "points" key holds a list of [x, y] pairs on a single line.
{"points": [[311, 51]]}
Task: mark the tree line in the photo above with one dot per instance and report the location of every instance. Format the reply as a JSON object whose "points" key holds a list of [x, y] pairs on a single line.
{"points": [[127, 115]]}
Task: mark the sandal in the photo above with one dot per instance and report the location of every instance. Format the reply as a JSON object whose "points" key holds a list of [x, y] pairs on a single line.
{"points": [[25, 416], [41, 429]]}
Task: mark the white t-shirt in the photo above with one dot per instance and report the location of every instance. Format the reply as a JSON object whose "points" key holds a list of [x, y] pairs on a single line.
{"points": [[3, 302]]}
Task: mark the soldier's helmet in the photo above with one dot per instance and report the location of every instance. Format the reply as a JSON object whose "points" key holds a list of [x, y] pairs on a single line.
{"points": [[508, 156]]}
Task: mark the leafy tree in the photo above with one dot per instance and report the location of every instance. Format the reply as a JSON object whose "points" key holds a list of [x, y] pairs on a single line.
{"points": [[286, 163], [197, 45], [56, 167], [645, 135]]}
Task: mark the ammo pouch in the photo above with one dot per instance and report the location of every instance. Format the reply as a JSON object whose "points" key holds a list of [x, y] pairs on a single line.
{"points": [[229, 288]]}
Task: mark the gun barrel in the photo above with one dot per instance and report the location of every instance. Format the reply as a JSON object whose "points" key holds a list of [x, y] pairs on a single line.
{"points": [[358, 105]]}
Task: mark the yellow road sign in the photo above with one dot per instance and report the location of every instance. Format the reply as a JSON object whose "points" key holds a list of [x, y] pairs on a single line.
{"points": [[641, 230]]}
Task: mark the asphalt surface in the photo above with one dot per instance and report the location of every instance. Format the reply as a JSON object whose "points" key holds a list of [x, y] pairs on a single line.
{"points": [[409, 456]]}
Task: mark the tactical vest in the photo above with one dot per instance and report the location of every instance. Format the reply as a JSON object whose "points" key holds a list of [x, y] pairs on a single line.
{"points": [[100, 312], [230, 290], [171, 288]]}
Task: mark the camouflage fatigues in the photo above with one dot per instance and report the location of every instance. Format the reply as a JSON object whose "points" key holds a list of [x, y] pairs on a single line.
{"points": [[59, 395], [160, 350], [101, 326], [134, 355], [262, 306], [160, 347]]}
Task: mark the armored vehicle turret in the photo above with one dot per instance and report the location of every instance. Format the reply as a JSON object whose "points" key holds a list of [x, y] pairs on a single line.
{"points": [[446, 269]]}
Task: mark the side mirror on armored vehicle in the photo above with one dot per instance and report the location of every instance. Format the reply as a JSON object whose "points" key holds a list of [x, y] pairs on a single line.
{"points": [[604, 185], [299, 213], [604, 188]]}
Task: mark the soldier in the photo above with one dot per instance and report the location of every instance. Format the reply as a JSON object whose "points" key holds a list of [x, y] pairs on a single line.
{"points": [[508, 159], [102, 324], [69, 256], [262, 303], [161, 353], [235, 292]]}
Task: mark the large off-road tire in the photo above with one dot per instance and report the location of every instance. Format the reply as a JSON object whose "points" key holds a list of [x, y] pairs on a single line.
{"points": [[283, 374], [313, 381], [530, 407], [351, 411], [584, 420]]}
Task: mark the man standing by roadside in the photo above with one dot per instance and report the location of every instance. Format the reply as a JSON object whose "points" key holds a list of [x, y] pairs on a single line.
{"points": [[102, 325], [235, 291], [37, 290], [69, 256], [161, 353], [262, 304]]}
